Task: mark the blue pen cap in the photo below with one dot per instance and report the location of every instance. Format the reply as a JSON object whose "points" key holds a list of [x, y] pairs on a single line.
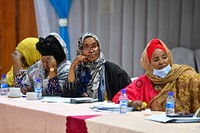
{"points": [[19, 80]]}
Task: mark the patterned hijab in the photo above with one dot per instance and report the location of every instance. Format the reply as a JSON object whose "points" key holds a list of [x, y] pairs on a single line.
{"points": [[145, 62], [174, 73], [170, 82], [95, 68]]}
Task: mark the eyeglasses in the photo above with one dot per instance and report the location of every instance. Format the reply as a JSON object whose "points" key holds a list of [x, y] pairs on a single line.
{"points": [[88, 49]]}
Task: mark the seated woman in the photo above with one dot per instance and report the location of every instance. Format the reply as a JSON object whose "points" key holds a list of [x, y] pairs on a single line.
{"points": [[52, 69], [23, 59], [161, 77], [91, 75]]}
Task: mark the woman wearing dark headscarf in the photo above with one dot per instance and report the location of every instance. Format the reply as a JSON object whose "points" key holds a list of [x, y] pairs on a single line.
{"points": [[91, 75], [52, 69], [161, 77]]}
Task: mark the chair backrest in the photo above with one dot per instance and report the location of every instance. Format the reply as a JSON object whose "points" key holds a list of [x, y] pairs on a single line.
{"points": [[183, 56], [197, 59], [133, 78]]}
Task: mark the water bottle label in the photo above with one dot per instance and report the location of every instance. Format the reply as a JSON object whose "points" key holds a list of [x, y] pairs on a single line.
{"points": [[123, 102], [4, 85], [4, 89], [123, 106], [39, 92], [169, 105]]}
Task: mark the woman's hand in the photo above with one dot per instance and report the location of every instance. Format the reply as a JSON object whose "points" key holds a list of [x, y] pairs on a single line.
{"points": [[17, 63], [25, 89], [16, 55], [138, 105], [79, 59], [52, 62]]}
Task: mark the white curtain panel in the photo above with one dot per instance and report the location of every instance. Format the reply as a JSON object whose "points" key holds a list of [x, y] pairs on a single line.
{"points": [[124, 27]]}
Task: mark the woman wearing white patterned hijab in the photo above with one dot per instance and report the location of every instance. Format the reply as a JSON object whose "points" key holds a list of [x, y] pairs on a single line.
{"points": [[89, 72]]}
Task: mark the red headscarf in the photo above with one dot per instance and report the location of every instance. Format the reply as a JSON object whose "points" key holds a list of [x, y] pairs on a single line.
{"points": [[155, 43]]}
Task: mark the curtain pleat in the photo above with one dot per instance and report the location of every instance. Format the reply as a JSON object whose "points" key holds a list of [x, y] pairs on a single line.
{"points": [[62, 8], [124, 27]]}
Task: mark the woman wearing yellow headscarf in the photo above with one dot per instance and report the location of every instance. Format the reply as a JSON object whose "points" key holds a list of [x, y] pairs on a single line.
{"points": [[24, 56]]}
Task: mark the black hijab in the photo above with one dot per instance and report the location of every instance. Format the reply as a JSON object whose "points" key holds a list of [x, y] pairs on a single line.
{"points": [[50, 46]]}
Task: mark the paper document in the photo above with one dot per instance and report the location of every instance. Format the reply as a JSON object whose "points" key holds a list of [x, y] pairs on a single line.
{"points": [[83, 100], [53, 99], [164, 119], [108, 107]]}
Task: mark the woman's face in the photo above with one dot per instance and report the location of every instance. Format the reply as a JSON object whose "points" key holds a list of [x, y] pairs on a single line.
{"points": [[90, 49], [159, 59], [47, 62]]}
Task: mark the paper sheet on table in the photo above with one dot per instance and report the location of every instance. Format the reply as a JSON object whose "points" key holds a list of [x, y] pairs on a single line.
{"points": [[164, 119], [108, 107], [52, 99], [55, 99], [83, 100]]}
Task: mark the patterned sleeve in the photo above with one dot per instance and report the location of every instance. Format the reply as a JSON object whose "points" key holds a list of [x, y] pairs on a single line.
{"points": [[32, 73], [18, 78], [68, 89]]}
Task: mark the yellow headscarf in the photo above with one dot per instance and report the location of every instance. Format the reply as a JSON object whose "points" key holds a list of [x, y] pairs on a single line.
{"points": [[28, 50]]}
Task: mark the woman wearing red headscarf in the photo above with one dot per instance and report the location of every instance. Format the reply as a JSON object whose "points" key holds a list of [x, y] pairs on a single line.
{"points": [[161, 77]]}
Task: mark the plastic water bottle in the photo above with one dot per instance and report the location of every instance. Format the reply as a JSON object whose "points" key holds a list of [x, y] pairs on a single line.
{"points": [[38, 88], [123, 102], [4, 85], [170, 103]]}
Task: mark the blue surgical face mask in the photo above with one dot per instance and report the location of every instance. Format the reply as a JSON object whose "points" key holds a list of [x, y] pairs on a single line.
{"points": [[163, 72]]}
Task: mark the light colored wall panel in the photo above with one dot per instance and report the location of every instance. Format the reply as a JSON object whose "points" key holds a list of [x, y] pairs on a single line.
{"points": [[140, 35], [128, 36], [186, 23]]}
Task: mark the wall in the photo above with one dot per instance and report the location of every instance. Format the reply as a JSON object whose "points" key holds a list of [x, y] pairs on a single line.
{"points": [[17, 21]]}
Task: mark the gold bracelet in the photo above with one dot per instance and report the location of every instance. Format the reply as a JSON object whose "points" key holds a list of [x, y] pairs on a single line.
{"points": [[129, 103]]}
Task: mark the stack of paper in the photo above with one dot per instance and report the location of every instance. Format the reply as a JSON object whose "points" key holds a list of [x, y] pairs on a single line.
{"points": [[108, 107], [53, 99], [83, 100], [164, 119]]}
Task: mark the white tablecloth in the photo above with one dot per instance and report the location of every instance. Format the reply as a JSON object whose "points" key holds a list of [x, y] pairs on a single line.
{"points": [[17, 115]]}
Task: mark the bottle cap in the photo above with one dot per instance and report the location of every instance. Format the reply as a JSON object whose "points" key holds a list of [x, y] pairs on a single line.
{"points": [[123, 90], [3, 76], [170, 93]]}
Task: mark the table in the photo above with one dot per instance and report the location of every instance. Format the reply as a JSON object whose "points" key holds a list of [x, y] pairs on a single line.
{"points": [[135, 122], [18, 115]]}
